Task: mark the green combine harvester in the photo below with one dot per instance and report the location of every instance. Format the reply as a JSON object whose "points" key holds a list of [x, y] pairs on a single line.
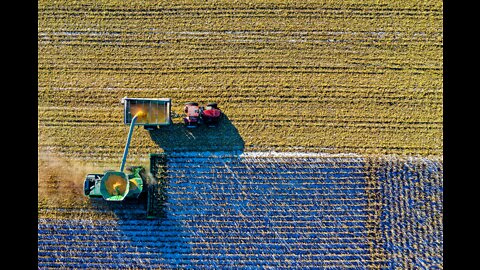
{"points": [[117, 185]]}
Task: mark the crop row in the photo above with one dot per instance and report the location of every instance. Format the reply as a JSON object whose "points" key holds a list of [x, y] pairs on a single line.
{"points": [[228, 10], [222, 4], [365, 53], [368, 62], [324, 35], [218, 84], [247, 18], [227, 23], [242, 42], [338, 91], [311, 98]]}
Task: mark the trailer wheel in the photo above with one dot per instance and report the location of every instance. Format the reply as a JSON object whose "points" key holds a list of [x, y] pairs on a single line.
{"points": [[150, 127]]}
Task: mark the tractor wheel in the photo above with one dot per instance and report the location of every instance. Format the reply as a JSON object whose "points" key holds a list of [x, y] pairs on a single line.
{"points": [[213, 105], [191, 103]]}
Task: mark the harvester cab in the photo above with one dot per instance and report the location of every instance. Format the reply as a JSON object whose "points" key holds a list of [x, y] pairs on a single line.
{"points": [[117, 185]]}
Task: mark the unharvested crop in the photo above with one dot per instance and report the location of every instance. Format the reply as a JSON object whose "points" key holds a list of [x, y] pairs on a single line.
{"points": [[263, 210]]}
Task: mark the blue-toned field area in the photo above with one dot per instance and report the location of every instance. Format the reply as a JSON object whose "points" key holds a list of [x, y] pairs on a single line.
{"points": [[262, 210], [412, 212]]}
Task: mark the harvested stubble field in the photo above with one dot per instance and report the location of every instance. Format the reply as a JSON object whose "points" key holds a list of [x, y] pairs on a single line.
{"points": [[334, 77], [311, 75]]}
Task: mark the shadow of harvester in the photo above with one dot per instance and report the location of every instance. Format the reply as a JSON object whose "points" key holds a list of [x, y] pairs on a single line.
{"points": [[169, 235], [177, 137], [224, 137]]}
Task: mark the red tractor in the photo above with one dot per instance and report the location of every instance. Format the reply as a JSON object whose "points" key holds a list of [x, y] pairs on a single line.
{"points": [[196, 115]]}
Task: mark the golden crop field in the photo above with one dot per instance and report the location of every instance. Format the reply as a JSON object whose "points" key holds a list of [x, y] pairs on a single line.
{"points": [[330, 154], [319, 76]]}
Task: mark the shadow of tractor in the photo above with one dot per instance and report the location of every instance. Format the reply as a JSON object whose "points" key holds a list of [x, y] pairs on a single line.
{"points": [[176, 137]]}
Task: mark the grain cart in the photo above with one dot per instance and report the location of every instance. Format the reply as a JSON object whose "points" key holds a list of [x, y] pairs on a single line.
{"points": [[117, 185]]}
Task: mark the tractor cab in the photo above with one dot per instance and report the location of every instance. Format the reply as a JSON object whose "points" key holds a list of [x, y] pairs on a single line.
{"points": [[193, 112]]}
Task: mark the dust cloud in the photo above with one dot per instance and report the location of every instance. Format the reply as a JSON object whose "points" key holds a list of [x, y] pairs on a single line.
{"points": [[59, 177]]}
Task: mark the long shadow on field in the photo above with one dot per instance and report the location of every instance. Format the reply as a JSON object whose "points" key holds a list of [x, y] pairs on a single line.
{"points": [[177, 137], [165, 240], [140, 241]]}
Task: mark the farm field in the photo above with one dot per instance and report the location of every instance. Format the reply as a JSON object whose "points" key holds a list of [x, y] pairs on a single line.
{"points": [[316, 76], [330, 154], [263, 210]]}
